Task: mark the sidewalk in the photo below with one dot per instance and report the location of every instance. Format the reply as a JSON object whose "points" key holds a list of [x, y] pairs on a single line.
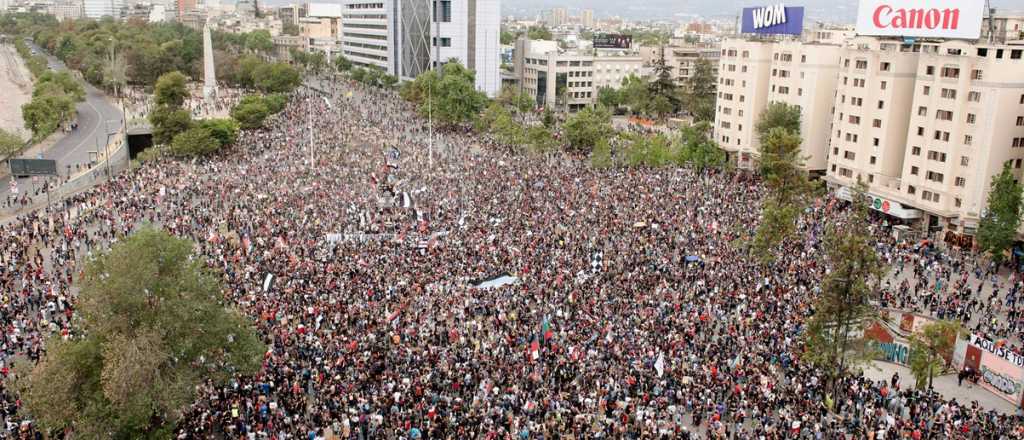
{"points": [[945, 385]]}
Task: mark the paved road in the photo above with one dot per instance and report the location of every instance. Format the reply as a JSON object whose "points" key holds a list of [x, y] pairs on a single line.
{"points": [[96, 119]]}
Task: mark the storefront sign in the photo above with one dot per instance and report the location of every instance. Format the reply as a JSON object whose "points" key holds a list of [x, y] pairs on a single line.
{"points": [[777, 19], [921, 18]]}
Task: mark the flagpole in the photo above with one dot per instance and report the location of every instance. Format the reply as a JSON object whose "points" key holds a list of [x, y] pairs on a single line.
{"points": [[309, 108]]}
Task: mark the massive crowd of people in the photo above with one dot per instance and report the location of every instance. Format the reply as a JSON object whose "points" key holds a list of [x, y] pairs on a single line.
{"points": [[137, 102], [633, 313]]}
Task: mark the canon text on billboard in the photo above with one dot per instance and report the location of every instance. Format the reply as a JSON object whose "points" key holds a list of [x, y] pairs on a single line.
{"points": [[921, 18], [776, 19]]}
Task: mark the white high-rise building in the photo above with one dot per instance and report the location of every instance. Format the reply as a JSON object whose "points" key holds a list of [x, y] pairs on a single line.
{"points": [[408, 37], [97, 9]]}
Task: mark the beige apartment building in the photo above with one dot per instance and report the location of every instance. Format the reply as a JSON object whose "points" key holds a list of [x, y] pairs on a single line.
{"points": [[874, 94], [754, 73], [743, 80], [965, 120], [924, 123]]}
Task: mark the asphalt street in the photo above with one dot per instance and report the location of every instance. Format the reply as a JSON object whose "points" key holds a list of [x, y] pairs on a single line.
{"points": [[97, 119]]}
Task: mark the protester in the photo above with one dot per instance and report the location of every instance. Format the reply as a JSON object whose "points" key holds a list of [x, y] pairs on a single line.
{"points": [[635, 312]]}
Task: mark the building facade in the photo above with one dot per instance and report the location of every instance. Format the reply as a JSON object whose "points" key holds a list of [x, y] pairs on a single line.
{"points": [[97, 9], [743, 76], [66, 10], [569, 80], [406, 38], [963, 108], [587, 18]]}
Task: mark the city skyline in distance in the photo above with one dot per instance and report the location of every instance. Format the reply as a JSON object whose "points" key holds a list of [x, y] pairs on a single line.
{"points": [[832, 11]]}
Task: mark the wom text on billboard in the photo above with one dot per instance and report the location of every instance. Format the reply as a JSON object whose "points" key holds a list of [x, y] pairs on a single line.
{"points": [[921, 18], [777, 19]]}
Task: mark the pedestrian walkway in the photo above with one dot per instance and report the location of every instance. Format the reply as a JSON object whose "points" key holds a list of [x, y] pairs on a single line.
{"points": [[946, 385]]}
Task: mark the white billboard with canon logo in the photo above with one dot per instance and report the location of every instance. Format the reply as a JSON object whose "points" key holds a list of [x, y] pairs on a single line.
{"points": [[921, 18]]}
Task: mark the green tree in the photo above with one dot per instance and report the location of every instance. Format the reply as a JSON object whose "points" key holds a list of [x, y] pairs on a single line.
{"points": [[834, 336], [520, 103], [250, 112], [342, 64], [194, 142], [259, 41], [115, 73], [587, 128], [601, 155], [247, 66], [539, 33], [700, 92], [450, 97], [276, 78], [663, 87], [275, 102], [696, 149], [781, 115], [636, 94], [171, 90], [548, 119], [927, 348], [152, 329], [167, 122], [609, 98], [1000, 221], [789, 187], [290, 29], [10, 144], [540, 140], [506, 37], [49, 107], [225, 131], [65, 82]]}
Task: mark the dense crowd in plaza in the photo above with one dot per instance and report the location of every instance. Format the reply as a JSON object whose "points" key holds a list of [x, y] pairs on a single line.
{"points": [[635, 313], [138, 103]]}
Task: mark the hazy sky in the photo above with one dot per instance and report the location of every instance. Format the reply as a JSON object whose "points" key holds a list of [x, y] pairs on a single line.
{"points": [[826, 10]]}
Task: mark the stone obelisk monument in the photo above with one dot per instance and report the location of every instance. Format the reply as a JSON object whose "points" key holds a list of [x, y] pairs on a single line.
{"points": [[209, 75]]}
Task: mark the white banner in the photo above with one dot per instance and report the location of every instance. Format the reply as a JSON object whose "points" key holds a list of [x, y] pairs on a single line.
{"points": [[921, 18]]}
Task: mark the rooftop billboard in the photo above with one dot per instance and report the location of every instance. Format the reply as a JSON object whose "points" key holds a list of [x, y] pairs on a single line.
{"points": [[612, 41], [777, 19], [921, 18]]}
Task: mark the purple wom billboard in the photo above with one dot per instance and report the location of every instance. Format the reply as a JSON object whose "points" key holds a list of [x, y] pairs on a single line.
{"points": [[777, 19]]}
